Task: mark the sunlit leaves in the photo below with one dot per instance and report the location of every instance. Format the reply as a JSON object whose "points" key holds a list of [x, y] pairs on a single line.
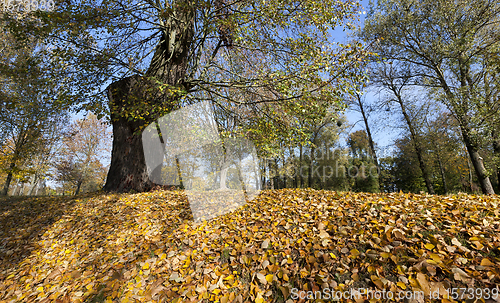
{"points": [[145, 247]]}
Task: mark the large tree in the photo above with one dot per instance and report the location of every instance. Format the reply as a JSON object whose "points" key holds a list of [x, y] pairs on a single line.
{"points": [[162, 55], [448, 45]]}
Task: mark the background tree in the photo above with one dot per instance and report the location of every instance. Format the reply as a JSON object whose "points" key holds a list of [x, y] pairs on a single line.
{"points": [[81, 159], [360, 104], [445, 45], [396, 79], [32, 101], [362, 170]]}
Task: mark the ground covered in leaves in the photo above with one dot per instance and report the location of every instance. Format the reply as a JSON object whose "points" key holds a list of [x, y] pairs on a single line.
{"points": [[284, 245]]}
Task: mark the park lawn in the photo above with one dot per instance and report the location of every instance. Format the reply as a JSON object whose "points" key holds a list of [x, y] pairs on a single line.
{"points": [[146, 248]]}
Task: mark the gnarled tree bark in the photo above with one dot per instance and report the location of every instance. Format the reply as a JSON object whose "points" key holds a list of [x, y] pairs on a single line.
{"points": [[128, 170]]}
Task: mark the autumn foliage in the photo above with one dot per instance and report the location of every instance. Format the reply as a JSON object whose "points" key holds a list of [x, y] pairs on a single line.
{"points": [[146, 248]]}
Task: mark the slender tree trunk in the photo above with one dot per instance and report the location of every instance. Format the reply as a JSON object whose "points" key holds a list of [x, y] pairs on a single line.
{"points": [[223, 177], [416, 145], [78, 186], [179, 173], [14, 191], [293, 181], [301, 178], [21, 189], [441, 170], [496, 149], [263, 168], [471, 188], [284, 171], [311, 163], [271, 176], [368, 131], [277, 178], [370, 138], [35, 183]]}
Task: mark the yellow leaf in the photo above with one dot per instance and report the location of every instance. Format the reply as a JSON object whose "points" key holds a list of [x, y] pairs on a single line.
{"points": [[259, 298], [436, 257], [269, 278], [487, 262], [145, 266], [401, 285], [429, 246], [355, 252]]}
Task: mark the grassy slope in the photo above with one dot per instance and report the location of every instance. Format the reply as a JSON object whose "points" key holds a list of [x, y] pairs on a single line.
{"points": [[145, 247]]}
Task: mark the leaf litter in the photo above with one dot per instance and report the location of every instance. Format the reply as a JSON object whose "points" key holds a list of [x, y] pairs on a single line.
{"points": [[147, 248]]}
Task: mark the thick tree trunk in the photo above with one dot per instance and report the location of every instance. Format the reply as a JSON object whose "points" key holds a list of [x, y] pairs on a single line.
{"points": [[128, 170]]}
